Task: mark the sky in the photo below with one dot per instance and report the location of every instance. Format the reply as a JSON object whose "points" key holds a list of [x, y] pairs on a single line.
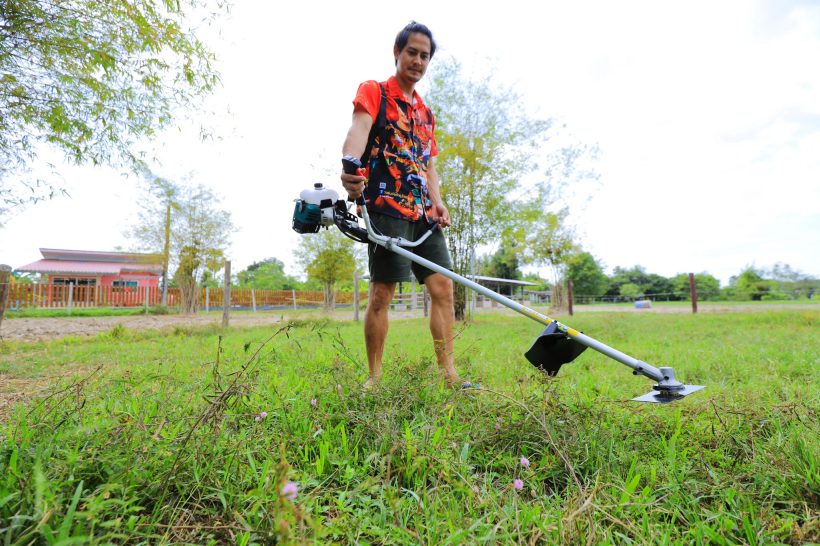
{"points": [[706, 114]]}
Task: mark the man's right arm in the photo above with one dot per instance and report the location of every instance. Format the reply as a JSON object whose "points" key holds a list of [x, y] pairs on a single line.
{"points": [[354, 145]]}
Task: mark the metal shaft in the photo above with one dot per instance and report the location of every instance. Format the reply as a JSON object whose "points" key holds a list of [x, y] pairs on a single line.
{"points": [[638, 366]]}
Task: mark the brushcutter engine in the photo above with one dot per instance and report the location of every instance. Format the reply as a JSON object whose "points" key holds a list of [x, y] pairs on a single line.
{"points": [[321, 207], [314, 209]]}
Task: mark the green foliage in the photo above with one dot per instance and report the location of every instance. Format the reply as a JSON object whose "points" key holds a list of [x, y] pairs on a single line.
{"points": [[778, 284], [647, 283], [269, 274], [159, 310], [708, 287], [539, 283], [630, 290], [587, 275], [92, 79], [503, 264], [749, 284], [154, 438], [76, 312]]}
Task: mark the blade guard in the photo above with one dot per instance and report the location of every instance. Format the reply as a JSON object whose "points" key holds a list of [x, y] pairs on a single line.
{"points": [[552, 349], [664, 396]]}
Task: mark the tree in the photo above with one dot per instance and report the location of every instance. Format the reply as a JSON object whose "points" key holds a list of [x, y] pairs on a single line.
{"points": [[749, 284], [269, 274], [503, 264], [160, 199], [708, 286], [649, 283], [92, 79], [199, 236], [587, 275], [630, 291], [327, 257], [636, 275], [487, 145], [793, 282], [547, 238]]}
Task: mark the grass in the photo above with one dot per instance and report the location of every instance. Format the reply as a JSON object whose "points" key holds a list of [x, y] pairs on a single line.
{"points": [[85, 312], [149, 438]]}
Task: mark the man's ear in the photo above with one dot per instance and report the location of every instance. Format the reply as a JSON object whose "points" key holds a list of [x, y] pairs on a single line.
{"points": [[396, 54]]}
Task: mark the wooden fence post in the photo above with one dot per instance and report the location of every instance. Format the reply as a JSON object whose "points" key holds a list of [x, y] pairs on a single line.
{"points": [[569, 296], [207, 299], [253, 300], [5, 288], [693, 292], [226, 300], [146, 298], [70, 297], [293, 293], [356, 296]]}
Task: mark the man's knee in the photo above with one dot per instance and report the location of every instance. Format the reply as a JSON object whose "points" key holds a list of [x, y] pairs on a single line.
{"points": [[439, 287], [380, 296]]}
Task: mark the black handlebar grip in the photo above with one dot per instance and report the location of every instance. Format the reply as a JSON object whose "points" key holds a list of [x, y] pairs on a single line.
{"points": [[351, 165]]}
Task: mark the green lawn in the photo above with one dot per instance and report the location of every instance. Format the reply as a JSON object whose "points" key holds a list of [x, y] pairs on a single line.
{"points": [[135, 437]]}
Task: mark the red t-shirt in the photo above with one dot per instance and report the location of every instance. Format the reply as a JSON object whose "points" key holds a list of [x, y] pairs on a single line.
{"points": [[397, 184]]}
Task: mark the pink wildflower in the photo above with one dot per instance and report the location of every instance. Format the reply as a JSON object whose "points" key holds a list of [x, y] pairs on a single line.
{"points": [[525, 462], [263, 414], [313, 402], [290, 490], [518, 484], [257, 418], [498, 426]]}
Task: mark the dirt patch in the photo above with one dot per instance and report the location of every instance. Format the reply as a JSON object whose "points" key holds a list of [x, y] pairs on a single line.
{"points": [[14, 389], [38, 329]]}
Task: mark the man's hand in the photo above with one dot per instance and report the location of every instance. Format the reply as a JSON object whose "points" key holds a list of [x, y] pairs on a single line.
{"points": [[353, 184], [440, 214]]}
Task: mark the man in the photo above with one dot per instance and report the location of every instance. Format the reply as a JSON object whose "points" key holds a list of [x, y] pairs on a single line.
{"points": [[401, 187]]}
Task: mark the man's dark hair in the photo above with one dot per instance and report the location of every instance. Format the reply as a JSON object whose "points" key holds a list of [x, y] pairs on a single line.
{"points": [[412, 26]]}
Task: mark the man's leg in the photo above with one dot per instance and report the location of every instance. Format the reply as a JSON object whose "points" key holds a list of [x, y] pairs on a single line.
{"points": [[442, 319], [375, 327]]}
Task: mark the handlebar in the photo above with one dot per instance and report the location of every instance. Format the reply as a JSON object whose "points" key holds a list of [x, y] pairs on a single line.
{"points": [[352, 165]]}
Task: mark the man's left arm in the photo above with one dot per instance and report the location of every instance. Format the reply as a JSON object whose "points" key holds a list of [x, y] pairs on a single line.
{"points": [[438, 211]]}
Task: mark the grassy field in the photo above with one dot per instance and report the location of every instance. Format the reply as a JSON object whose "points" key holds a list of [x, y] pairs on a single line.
{"points": [[263, 436]]}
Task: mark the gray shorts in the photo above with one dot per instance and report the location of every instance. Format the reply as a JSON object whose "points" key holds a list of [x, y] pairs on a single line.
{"points": [[387, 266]]}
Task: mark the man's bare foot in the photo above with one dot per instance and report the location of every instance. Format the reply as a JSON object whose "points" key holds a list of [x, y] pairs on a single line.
{"points": [[452, 380], [371, 383]]}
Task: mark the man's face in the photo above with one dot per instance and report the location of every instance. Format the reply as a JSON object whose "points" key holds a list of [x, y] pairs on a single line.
{"points": [[412, 61]]}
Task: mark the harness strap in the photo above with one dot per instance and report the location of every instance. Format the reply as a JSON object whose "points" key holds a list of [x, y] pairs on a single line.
{"points": [[379, 128]]}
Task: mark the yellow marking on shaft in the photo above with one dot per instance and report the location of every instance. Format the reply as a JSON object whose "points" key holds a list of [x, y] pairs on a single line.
{"points": [[543, 319], [573, 332]]}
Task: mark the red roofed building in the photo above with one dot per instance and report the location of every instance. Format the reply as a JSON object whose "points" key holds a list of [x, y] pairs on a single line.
{"points": [[93, 268]]}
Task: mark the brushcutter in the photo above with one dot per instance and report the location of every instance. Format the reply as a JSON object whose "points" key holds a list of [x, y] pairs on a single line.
{"points": [[556, 345]]}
